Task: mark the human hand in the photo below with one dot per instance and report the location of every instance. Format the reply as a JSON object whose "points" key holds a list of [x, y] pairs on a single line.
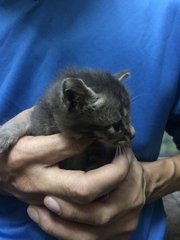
{"points": [[115, 217], [29, 171]]}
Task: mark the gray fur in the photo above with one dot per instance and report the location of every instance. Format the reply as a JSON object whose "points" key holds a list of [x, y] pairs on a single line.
{"points": [[11, 132], [80, 103]]}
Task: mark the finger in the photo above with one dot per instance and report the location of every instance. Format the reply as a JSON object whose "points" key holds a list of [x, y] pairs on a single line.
{"points": [[84, 187], [74, 186], [60, 228], [98, 212], [45, 149]]}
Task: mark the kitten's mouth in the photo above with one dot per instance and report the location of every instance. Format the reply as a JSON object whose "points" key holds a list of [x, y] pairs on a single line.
{"points": [[122, 143]]}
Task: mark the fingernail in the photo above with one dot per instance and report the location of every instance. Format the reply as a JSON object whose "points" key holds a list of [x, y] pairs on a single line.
{"points": [[33, 214], [52, 204]]}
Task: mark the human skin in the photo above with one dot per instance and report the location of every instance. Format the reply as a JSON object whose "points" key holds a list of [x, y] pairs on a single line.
{"points": [[64, 203]]}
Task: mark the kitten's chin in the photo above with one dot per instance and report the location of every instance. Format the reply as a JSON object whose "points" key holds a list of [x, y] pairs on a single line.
{"points": [[124, 144], [121, 144]]}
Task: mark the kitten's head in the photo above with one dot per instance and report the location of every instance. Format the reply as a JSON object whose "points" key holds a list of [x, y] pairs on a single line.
{"points": [[96, 105]]}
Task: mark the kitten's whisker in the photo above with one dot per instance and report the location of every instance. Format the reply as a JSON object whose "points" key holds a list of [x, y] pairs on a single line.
{"points": [[135, 98], [118, 151]]}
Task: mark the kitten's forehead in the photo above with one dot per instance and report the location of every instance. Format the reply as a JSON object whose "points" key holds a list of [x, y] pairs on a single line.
{"points": [[106, 114], [114, 107]]}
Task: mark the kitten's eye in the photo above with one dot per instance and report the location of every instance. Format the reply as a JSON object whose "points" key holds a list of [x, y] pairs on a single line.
{"points": [[116, 126]]}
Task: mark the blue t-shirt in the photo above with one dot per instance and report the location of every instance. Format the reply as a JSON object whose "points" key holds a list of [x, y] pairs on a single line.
{"points": [[40, 37]]}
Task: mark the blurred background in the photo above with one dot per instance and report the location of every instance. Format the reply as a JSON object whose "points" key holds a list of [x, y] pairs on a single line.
{"points": [[171, 201], [168, 148]]}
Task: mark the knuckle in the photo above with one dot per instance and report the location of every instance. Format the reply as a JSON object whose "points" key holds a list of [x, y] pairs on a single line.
{"points": [[140, 201], [132, 225], [24, 185], [73, 215], [104, 219], [16, 158], [47, 227], [123, 174], [82, 194]]}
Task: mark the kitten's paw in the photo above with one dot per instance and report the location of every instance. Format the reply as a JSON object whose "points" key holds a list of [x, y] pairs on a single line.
{"points": [[6, 141], [10, 134]]}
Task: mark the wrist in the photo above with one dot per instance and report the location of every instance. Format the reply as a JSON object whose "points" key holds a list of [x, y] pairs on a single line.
{"points": [[161, 177]]}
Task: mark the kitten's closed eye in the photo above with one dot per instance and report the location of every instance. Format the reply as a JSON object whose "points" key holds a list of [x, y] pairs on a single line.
{"points": [[116, 125]]}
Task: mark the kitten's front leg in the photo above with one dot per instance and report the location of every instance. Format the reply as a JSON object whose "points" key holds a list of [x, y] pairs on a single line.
{"points": [[11, 131]]}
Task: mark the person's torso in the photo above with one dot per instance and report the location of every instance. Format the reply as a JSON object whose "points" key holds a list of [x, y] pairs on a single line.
{"points": [[40, 38]]}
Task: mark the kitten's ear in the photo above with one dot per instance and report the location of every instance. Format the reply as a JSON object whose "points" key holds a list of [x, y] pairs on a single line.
{"points": [[75, 93], [122, 75]]}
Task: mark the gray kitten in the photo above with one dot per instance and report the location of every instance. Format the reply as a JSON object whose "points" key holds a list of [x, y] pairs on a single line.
{"points": [[80, 103]]}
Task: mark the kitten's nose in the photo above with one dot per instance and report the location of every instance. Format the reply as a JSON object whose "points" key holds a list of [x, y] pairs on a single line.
{"points": [[132, 132]]}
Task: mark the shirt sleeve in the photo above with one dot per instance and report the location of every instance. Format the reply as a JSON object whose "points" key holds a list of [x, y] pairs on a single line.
{"points": [[173, 124]]}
